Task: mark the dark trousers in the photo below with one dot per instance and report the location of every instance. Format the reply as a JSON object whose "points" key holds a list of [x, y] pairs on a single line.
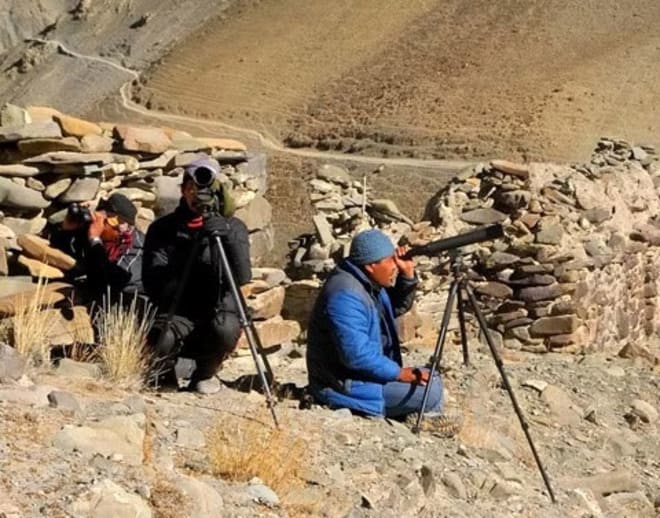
{"points": [[207, 341]]}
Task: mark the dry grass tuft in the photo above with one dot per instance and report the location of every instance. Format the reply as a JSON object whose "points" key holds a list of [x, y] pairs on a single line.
{"points": [[32, 324], [166, 500], [243, 448], [123, 352]]}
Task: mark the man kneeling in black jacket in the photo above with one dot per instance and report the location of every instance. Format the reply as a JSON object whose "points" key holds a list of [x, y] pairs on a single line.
{"points": [[204, 325]]}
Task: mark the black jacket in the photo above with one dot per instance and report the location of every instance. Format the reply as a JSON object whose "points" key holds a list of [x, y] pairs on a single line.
{"points": [[95, 271], [168, 245]]}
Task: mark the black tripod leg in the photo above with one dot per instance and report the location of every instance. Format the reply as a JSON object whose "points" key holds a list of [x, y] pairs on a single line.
{"points": [[507, 386], [461, 322], [437, 354], [248, 327], [177, 297]]}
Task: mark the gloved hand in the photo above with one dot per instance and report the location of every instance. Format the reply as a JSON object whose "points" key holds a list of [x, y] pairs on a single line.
{"points": [[216, 225]]}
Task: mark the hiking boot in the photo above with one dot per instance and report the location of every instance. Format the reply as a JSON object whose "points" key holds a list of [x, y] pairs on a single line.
{"points": [[442, 426], [208, 386]]}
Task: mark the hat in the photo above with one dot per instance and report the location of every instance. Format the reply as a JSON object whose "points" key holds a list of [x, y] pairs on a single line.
{"points": [[370, 246], [203, 162], [120, 205]]}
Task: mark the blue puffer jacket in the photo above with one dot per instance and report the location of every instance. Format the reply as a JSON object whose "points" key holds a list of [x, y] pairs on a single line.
{"points": [[353, 347]]}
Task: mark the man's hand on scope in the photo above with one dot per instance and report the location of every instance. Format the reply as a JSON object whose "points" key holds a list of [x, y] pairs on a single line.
{"points": [[406, 266], [413, 375], [216, 225]]}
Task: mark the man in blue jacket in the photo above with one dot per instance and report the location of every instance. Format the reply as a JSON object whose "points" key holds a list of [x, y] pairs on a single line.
{"points": [[353, 351]]}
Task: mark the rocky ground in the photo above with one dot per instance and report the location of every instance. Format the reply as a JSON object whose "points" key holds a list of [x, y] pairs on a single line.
{"points": [[98, 450]]}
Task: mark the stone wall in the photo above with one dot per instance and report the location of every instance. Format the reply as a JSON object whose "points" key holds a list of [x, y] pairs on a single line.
{"points": [[575, 271], [49, 160]]}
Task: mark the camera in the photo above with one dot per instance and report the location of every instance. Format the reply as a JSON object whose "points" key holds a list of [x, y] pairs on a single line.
{"points": [[79, 214]]}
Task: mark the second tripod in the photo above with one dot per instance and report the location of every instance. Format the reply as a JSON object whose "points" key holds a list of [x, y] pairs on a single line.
{"points": [[461, 290]]}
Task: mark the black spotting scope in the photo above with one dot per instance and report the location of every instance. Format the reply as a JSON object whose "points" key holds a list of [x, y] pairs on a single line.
{"points": [[468, 238]]}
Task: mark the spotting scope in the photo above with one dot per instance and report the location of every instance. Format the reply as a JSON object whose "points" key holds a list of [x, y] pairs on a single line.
{"points": [[468, 238]]}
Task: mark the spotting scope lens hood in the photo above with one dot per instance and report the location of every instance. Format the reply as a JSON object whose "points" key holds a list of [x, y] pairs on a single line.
{"points": [[449, 243]]}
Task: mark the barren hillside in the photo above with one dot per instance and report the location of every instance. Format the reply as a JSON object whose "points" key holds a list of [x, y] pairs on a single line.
{"points": [[425, 78]]}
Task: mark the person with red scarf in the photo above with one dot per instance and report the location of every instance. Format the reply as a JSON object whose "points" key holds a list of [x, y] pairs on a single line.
{"points": [[107, 249], [197, 325]]}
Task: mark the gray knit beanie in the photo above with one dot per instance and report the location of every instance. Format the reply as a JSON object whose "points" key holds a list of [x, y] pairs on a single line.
{"points": [[370, 246]]}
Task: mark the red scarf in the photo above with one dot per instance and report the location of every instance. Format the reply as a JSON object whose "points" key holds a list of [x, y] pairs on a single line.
{"points": [[115, 249]]}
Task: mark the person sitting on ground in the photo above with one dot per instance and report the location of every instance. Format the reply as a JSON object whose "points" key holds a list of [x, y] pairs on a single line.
{"points": [[353, 351], [197, 315], [107, 248]]}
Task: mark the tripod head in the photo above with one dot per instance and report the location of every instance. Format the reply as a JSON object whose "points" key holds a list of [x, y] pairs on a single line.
{"points": [[456, 242]]}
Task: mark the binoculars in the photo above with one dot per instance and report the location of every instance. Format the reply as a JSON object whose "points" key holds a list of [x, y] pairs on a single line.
{"points": [[79, 214]]}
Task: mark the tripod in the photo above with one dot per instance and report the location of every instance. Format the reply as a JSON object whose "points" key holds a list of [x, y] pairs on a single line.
{"points": [[254, 342], [459, 288], [259, 354]]}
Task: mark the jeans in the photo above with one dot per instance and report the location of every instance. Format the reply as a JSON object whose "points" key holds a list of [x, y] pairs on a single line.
{"points": [[402, 399]]}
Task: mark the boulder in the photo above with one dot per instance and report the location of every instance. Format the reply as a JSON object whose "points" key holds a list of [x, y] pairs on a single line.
{"points": [[108, 500], [555, 325], [273, 332], [484, 216], [82, 189], [267, 304], [38, 146], [257, 215], [47, 129], [505, 166], [40, 270], [92, 143], [18, 170]]}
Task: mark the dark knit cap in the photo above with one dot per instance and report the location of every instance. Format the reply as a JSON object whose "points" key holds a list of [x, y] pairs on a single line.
{"points": [[120, 205], [370, 246]]}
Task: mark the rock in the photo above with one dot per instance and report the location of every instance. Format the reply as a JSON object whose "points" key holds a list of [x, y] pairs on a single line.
{"points": [[12, 115], [537, 293], [262, 494], [454, 484], [38, 269], [334, 174], [605, 483], [494, 289], [267, 304], [562, 407], [587, 501], [261, 243], [19, 197], [645, 411], [644, 233], [63, 401], [82, 189], [597, 215], [274, 331], [323, 229], [518, 170], [40, 249], [18, 170], [190, 438], [68, 326], [67, 368], [21, 289], [33, 130], [56, 188], [562, 324], [549, 231], [512, 200], [77, 127], [484, 216], [35, 395], [147, 139], [271, 276], [203, 499], [427, 481], [501, 259], [136, 195], [109, 500], [12, 364], [122, 435], [257, 215], [39, 146], [91, 143], [538, 385], [223, 144]]}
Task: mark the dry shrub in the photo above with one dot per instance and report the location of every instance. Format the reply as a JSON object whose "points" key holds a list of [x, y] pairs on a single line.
{"points": [[32, 324], [243, 448], [123, 352], [167, 501]]}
